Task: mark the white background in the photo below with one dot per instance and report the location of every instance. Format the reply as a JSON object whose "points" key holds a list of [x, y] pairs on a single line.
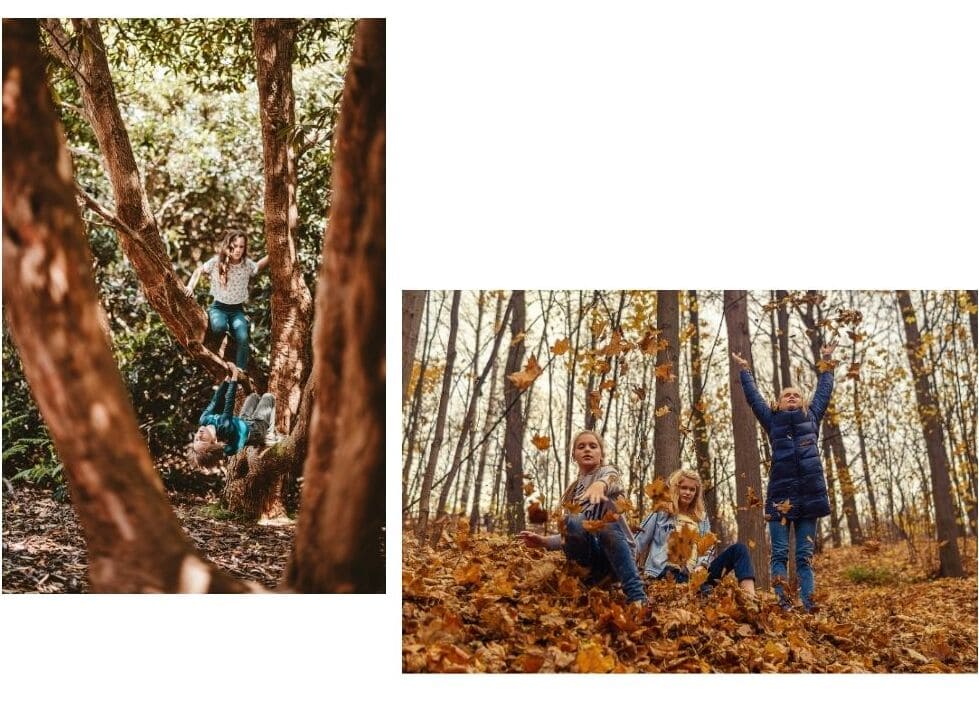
{"points": [[561, 145]]}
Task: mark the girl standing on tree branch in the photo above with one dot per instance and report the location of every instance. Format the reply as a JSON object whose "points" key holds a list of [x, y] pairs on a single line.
{"points": [[796, 495], [230, 272], [604, 547]]}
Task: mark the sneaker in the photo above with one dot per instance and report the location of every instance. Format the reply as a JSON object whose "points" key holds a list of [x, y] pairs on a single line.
{"points": [[785, 606]]}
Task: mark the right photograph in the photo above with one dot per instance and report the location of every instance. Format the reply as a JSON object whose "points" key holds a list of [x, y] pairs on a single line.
{"points": [[689, 481]]}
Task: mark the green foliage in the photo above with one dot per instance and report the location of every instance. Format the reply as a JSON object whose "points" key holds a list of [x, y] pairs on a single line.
{"points": [[215, 510], [865, 575], [187, 94]]}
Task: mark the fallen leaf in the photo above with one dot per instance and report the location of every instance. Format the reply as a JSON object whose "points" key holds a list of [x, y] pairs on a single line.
{"points": [[591, 660], [541, 442]]}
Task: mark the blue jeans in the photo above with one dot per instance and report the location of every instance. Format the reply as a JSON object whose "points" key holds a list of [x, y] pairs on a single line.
{"points": [[231, 318], [805, 536], [735, 557], [604, 551]]}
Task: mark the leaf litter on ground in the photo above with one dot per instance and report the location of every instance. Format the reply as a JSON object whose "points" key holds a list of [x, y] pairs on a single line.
{"points": [[491, 604]]}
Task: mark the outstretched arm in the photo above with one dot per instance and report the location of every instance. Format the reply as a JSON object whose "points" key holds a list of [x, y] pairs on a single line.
{"points": [[759, 407], [262, 263], [824, 386], [215, 400], [535, 540], [192, 283]]}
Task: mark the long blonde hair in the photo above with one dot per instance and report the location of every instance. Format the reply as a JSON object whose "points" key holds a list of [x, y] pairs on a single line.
{"points": [[698, 511]]}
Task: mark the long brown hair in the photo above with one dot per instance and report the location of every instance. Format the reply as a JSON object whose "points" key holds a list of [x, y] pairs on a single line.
{"points": [[224, 254]]}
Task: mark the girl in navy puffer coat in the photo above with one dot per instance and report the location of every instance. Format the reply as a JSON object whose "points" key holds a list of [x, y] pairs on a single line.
{"points": [[796, 494]]}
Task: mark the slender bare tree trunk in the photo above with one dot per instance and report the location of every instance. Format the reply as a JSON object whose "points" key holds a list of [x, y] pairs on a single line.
{"points": [[948, 550], [134, 541], [424, 505], [750, 518], [698, 408], [666, 424], [498, 324], [470, 417], [783, 338], [515, 428], [412, 306], [339, 538]]}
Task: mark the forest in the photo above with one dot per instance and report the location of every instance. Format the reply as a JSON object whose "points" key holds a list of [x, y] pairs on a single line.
{"points": [[497, 383], [138, 153]]}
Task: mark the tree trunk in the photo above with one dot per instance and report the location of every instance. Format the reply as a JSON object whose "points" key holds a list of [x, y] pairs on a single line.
{"points": [[498, 324], [470, 416], [773, 341], [134, 541], [864, 463], [424, 505], [750, 518], [948, 551], [698, 409], [834, 514], [514, 420], [135, 223], [783, 338], [832, 433], [412, 306], [339, 539], [666, 426], [291, 301], [414, 413]]}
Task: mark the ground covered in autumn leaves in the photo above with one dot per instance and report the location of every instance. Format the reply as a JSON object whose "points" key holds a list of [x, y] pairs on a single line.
{"points": [[44, 551], [488, 604]]}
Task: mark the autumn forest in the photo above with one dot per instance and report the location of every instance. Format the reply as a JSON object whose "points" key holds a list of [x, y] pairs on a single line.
{"points": [[496, 383]]}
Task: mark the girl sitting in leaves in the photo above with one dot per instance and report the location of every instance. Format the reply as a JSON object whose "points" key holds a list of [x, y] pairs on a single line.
{"points": [[796, 494], [594, 535], [230, 272], [221, 433], [678, 541]]}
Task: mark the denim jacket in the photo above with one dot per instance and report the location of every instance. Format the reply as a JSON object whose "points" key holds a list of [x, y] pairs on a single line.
{"points": [[653, 536]]}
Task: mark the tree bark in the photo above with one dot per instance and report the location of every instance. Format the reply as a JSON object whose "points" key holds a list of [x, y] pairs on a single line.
{"points": [[467, 422], [514, 420], [666, 427], [698, 410], [424, 505], [750, 518], [291, 301], [948, 551], [412, 306], [498, 325], [782, 319], [140, 239], [833, 434], [134, 541], [339, 538]]}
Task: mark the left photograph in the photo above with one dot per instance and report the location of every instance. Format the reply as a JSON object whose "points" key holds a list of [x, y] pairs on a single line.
{"points": [[193, 275]]}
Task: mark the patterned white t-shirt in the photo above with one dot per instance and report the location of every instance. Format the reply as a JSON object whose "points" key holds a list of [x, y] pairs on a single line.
{"points": [[236, 291]]}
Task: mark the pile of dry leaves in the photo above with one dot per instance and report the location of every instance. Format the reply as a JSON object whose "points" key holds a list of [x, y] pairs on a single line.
{"points": [[487, 603], [44, 550]]}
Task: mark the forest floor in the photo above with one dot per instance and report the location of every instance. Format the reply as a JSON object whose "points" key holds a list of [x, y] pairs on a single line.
{"points": [[487, 603], [44, 550]]}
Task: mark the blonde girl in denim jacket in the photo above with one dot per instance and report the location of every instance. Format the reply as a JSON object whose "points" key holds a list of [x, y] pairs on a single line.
{"points": [[687, 510]]}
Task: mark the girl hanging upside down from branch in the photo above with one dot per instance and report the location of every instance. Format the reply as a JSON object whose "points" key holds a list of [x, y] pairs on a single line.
{"points": [[222, 433]]}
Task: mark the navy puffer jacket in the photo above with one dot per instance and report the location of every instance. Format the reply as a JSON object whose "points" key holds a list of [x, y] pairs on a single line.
{"points": [[797, 469]]}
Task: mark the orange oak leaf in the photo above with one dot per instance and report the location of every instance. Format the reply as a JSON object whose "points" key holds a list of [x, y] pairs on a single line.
{"points": [[528, 489], [664, 372], [523, 379], [561, 346], [541, 442], [662, 410]]}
